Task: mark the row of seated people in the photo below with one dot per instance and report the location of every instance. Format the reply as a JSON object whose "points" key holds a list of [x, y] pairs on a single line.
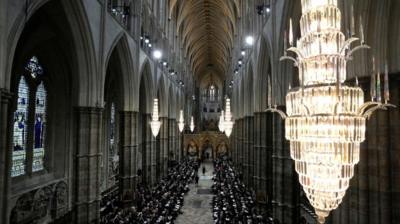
{"points": [[159, 205], [233, 203]]}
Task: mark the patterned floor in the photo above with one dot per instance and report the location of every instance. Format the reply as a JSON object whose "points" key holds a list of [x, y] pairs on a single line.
{"points": [[197, 203]]}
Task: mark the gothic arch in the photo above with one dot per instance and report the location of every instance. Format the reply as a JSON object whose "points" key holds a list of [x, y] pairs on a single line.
{"points": [[146, 93], [119, 61]]}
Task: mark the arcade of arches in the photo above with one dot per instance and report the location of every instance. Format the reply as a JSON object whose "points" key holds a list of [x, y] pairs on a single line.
{"points": [[77, 83]]}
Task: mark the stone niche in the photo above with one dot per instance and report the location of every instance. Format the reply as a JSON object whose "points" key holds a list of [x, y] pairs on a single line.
{"points": [[40, 205]]}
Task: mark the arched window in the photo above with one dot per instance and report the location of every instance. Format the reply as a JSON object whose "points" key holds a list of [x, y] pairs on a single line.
{"points": [[31, 104], [113, 157], [212, 93], [20, 129], [39, 129]]}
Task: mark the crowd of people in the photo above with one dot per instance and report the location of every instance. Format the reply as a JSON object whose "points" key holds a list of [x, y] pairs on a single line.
{"points": [[233, 203], [158, 205]]}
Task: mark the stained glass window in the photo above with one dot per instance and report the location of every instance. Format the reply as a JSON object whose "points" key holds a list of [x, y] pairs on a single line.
{"points": [[29, 92], [20, 129], [113, 158], [212, 93], [39, 128]]}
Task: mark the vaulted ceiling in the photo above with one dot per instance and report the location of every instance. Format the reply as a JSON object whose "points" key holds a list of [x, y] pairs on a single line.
{"points": [[206, 29]]}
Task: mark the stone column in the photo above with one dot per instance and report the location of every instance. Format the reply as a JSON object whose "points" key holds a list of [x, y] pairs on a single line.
{"points": [[256, 148], [246, 160], [87, 164], [164, 145], [5, 154], [128, 152], [172, 138], [240, 145], [251, 151], [286, 184], [171, 150], [148, 152]]}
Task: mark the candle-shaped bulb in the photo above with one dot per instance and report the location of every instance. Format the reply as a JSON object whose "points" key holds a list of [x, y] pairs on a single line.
{"points": [[378, 87], [290, 33], [373, 87], [386, 83], [352, 23], [357, 81], [361, 31]]}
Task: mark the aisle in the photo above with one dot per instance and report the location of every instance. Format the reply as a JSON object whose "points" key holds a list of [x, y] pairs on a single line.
{"points": [[197, 203]]}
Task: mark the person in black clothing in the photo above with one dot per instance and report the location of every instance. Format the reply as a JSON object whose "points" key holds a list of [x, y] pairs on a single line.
{"points": [[204, 170], [158, 205], [232, 201]]}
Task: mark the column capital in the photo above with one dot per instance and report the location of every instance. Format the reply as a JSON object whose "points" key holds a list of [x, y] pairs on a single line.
{"points": [[5, 96]]}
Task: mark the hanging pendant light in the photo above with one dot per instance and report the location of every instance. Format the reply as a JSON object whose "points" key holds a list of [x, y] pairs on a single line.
{"points": [[228, 123], [221, 124], [155, 124], [191, 124], [181, 122], [325, 120]]}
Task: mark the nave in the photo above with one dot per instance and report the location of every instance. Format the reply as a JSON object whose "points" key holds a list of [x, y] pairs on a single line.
{"points": [[192, 192]]}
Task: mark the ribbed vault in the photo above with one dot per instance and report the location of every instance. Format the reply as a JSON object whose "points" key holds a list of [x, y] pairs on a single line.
{"points": [[206, 29]]}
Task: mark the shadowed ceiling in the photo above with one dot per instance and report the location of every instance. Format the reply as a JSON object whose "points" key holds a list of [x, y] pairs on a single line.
{"points": [[206, 29]]}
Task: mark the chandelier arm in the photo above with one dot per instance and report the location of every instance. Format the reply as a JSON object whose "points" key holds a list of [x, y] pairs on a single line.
{"points": [[280, 112], [351, 52], [297, 51], [365, 106], [296, 63], [347, 44], [382, 106]]}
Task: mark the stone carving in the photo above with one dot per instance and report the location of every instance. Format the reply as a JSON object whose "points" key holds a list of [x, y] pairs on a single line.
{"points": [[23, 210], [42, 200], [34, 206], [60, 200]]}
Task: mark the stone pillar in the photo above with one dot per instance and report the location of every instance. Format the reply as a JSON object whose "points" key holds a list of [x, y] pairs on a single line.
{"points": [[286, 185], [148, 152], [87, 164], [164, 145], [246, 159], [128, 130], [5, 154], [171, 149], [251, 151], [240, 145], [257, 149]]}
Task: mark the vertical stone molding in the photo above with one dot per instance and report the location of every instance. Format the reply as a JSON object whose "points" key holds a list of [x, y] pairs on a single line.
{"points": [[87, 164], [129, 152], [164, 145], [5, 153], [251, 151]]}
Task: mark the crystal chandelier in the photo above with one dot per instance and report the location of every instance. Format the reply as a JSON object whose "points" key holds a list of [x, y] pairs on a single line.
{"points": [[191, 124], [181, 122], [221, 124], [228, 123], [325, 120], [155, 124]]}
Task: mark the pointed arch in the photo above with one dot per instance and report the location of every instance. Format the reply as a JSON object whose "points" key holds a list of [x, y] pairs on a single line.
{"points": [[146, 93]]}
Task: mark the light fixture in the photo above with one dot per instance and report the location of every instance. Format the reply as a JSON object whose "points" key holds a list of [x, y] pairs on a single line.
{"points": [[155, 123], [228, 123], [181, 122], [221, 124], [191, 124], [150, 45], [240, 62], [157, 54], [146, 40], [249, 40], [243, 52], [165, 63], [325, 120]]}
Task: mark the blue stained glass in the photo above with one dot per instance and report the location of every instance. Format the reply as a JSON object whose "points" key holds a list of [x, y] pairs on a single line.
{"points": [[34, 67], [20, 129], [39, 128]]}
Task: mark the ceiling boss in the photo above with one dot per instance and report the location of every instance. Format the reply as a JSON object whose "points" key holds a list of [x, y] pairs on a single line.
{"points": [[326, 119]]}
